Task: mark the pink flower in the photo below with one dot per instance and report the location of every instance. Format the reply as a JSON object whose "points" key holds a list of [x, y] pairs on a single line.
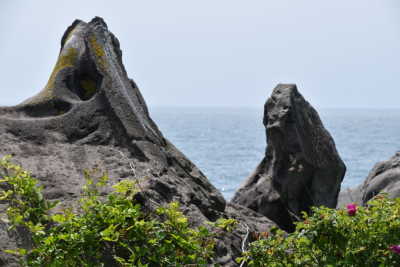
{"points": [[395, 249], [352, 209], [300, 168]]}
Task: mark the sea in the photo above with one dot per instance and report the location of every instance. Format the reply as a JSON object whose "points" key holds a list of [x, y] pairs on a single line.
{"points": [[226, 144]]}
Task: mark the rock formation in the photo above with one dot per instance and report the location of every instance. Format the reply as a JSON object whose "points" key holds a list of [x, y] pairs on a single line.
{"points": [[91, 112], [384, 176], [301, 167]]}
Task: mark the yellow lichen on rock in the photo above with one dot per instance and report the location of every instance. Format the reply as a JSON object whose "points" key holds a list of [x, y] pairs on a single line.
{"points": [[98, 48], [63, 61], [90, 88]]}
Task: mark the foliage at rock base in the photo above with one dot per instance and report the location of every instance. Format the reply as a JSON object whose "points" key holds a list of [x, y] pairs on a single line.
{"points": [[351, 236], [115, 229]]}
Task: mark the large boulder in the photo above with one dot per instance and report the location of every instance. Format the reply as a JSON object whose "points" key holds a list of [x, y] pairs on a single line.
{"points": [[91, 112], [384, 176], [301, 167]]}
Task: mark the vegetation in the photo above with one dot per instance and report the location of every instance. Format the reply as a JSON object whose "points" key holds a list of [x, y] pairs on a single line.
{"points": [[118, 226], [360, 236], [352, 236]]}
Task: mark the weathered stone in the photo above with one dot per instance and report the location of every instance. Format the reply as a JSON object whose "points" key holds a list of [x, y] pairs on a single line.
{"points": [[295, 136], [91, 112], [384, 176]]}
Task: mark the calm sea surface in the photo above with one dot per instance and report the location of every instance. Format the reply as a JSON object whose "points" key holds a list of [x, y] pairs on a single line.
{"points": [[226, 144]]}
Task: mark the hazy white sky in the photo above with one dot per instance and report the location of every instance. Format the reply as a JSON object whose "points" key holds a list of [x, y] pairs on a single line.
{"points": [[220, 53]]}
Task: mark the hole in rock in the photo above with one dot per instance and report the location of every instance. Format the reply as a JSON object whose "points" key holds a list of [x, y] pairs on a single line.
{"points": [[84, 86], [61, 107], [47, 109]]}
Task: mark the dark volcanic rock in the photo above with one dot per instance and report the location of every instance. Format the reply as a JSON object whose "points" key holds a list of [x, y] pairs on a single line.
{"points": [[295, 136], [91, 112], [384, 176]]}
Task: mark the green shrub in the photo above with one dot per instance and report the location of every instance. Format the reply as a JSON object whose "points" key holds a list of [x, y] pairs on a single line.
{"points": [[71, 239], [358, 236]]}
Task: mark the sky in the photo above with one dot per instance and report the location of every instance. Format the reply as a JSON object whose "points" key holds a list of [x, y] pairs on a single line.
{"points": [[219, 53]]}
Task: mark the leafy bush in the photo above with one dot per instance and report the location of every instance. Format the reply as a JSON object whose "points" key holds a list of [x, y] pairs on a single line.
{"points": [[70, 239], [358, 236]]}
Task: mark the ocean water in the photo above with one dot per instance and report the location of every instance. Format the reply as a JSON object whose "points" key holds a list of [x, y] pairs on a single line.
{"points": [[226, 144]]}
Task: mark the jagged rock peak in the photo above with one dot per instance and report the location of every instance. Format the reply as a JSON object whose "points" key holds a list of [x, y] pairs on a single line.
{"points": [[301, 167], [90, 63]]}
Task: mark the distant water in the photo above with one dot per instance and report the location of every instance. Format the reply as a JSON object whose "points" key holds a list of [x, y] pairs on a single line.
{"points": [[226, 144]]}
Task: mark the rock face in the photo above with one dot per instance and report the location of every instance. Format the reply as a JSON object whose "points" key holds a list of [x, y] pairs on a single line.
{"points": [[91, 112], [295, 136], [384, 176]]}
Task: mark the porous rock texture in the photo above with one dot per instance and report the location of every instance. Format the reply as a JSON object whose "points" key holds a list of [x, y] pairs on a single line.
{"points": [[384, 176], [91, 112], [295, 136]]}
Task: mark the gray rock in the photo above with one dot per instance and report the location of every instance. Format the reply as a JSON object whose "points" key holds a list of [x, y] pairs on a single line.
{"points": [[384, 176], [295, 136], [91, 112], [227, 246]]}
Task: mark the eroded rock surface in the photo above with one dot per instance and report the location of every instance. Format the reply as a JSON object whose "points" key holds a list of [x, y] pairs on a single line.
{"points": [[384, 176], [295, 136], [91, 112]]}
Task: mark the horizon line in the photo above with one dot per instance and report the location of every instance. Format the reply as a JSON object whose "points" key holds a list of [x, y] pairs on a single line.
{"points": [[245, 107]]}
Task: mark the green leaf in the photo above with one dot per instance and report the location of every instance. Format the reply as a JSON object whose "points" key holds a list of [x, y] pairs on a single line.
{"points": [[43, 207], [49, 240], [55, 203], [48, 204], [273, 229], [18, 219], [37, 239], [27, 214], [12, 251]]}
